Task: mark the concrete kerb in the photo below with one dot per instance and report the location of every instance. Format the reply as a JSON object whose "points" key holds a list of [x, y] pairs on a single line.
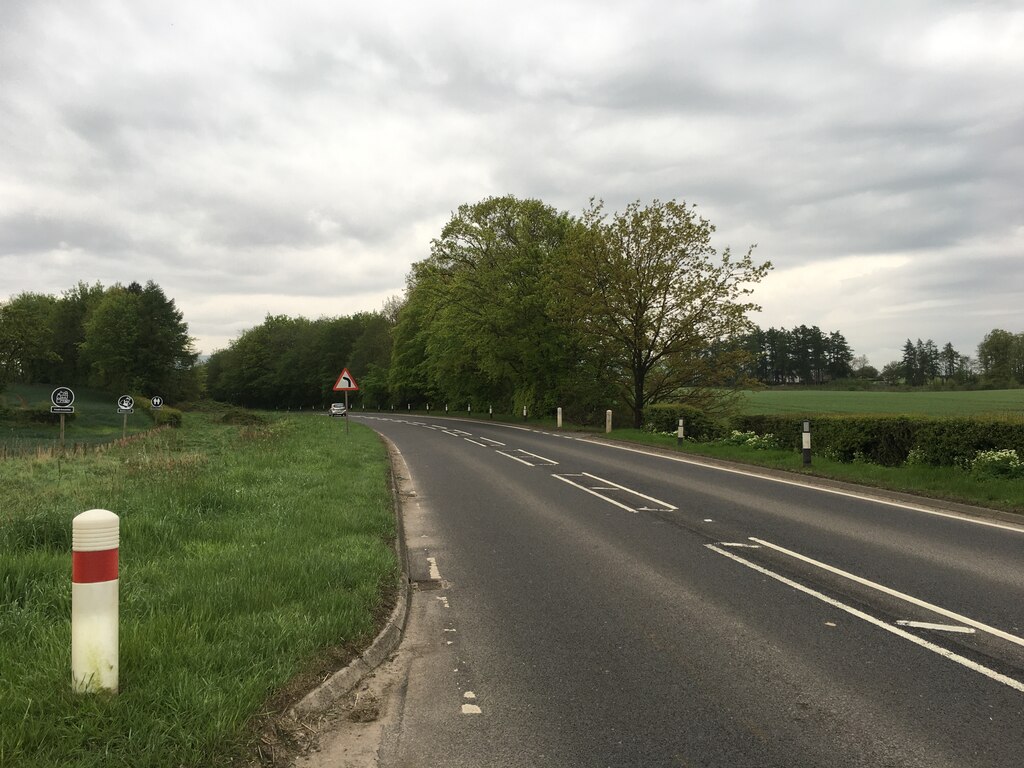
{"points": [[335, 687]]}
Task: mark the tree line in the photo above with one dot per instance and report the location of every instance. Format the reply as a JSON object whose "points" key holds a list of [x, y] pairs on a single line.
{"points": [[518, 305], [119, 338]]}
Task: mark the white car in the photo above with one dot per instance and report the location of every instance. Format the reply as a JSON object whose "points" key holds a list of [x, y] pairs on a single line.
{"points": [[337, 409]]}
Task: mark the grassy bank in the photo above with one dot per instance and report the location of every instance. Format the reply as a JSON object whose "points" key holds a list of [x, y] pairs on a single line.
{"points": [[250, 554], [946, 483]]}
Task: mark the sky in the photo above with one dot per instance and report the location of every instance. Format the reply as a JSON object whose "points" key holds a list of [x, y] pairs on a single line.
{"points": [[296, 158]]}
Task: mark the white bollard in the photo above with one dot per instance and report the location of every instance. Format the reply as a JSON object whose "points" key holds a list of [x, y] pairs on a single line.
{"points": [[559, 417], [607, 422], [94, 601]]}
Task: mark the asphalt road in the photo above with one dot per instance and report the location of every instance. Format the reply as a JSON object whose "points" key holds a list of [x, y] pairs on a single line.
{"points": [[602, 606]]}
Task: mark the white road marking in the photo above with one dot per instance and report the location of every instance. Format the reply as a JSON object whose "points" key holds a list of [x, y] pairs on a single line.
{"points": [[552, 462], [453, 434], [474, 442], [565, 479], [469, 695], [471, 709], [973, 666], [894, 593], [708, 520], [937, 627], [738, 545], [435, 574], [821, 489], [492, 442], [516, 458], [444, 602], [661, 504]]}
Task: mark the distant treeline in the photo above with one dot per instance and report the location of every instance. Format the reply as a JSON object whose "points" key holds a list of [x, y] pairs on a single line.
{"points": [[125, 339], [517, 306], [808, 356]]}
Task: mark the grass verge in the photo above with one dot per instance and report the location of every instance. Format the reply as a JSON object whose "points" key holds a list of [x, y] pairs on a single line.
{"points": [[250, 554], [947, 483]]}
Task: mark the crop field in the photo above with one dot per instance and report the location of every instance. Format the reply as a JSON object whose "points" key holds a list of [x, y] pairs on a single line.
{"points": [[1002, 402]]}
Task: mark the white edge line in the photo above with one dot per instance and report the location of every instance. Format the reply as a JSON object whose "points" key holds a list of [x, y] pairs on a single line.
{"points": [[822, 489], [514, 458], [595, 493], [894, 593], [973, 666], [664, 504]]}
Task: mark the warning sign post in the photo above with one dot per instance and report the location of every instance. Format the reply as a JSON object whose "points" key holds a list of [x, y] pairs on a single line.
{"points": [[346, 383]]}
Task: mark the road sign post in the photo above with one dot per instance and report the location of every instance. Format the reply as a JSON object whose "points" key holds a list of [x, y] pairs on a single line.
{"points": [[346, 383], [125, 405], [62, 399]]}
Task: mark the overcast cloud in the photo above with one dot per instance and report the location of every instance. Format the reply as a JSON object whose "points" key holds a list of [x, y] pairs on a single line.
{"points": [[296, 158]]}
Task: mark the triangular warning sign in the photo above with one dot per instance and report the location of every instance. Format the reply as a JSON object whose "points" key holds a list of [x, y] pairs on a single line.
{"points": [[345, 383]]}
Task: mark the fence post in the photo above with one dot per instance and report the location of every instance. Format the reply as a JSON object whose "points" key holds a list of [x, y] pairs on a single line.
{"points": [[94, 601]]}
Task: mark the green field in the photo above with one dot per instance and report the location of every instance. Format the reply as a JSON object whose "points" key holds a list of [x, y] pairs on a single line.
{"points": [[96, 418], [1000, 402], [255, 556]]}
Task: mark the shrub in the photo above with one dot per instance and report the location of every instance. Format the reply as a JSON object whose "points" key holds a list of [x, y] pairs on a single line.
{"points": [[892, 440], [698, 425], [752, 440], [166, 416], [1003, 463]]}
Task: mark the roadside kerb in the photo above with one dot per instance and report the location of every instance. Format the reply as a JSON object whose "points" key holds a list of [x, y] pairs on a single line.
{"points": [[335, 687]]}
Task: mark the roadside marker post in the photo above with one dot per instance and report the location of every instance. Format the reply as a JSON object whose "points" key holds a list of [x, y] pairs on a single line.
{"points": [[807, 443], [94, 601], [559, 418], [607, 421], [681, 434]]}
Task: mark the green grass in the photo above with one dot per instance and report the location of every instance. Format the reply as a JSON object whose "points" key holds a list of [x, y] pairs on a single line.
{"points": [[96, 419], [249, 555], [925, 403], [946, 483]]}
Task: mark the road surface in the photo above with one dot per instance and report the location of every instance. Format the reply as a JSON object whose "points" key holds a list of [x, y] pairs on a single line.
{"points": [[602, 606]]}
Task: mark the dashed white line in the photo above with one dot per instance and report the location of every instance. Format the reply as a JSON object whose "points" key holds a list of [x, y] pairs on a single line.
{"points": [[474, 442], [492, 442], [516, 458], [435, 574], [552, 462], [937, 627], [471, 709]]}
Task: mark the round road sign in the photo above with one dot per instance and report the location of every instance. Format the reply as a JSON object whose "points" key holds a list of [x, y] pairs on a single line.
{"points": [[157, 401], [62, 396], [126, 402]]}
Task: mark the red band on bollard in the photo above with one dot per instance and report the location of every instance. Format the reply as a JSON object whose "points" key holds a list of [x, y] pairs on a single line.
{"points": [[92, 567]]}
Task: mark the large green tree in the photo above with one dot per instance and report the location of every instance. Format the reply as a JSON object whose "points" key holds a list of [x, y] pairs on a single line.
{"points": [[136, 340], [667, 311], [481, 322], [26, 337]]}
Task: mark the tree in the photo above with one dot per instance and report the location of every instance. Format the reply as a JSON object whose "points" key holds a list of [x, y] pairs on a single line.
{"points": [[649, 291], [26, 337], [1001, 358], [136, 340]]}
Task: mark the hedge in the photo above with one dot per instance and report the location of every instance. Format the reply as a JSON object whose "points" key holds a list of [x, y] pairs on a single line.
{"points": [[888, 440], [664, 417]]}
